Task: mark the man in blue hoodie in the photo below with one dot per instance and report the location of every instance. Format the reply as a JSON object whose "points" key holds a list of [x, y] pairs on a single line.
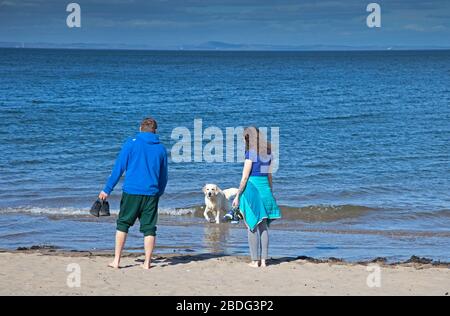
{"points": [[144, 159]]}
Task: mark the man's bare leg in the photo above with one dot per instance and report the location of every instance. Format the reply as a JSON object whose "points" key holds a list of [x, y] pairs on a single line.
{"points": [[121, 237], [149, 244]]}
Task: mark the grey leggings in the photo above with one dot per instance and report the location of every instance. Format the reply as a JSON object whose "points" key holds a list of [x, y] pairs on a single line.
{"points": [[258, 240]]}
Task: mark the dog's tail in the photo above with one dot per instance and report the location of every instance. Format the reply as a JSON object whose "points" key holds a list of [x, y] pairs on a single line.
{"points": [[229, 193]]}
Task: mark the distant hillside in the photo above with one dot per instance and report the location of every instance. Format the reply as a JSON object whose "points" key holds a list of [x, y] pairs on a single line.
{"points": [[213, 45]]}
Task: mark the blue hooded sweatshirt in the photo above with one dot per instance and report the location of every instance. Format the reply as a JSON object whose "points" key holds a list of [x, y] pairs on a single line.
{"points": [[144, 159]]}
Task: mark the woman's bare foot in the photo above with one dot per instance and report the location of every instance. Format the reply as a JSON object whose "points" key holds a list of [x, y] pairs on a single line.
{"points": [[263, 264], [147, 266], [254, 264], [114, 265]]}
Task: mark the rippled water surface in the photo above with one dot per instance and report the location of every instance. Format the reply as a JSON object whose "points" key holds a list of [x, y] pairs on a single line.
{"points": [[364, 145]]}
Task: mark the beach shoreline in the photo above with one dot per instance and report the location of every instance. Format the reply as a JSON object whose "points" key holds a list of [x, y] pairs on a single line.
{"points": [[50, 272]]}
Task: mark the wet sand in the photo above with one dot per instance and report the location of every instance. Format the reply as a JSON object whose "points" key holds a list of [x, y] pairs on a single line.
{"points": [[49, 272]]}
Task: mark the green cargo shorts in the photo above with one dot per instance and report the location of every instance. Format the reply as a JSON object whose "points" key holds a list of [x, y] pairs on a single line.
{"points": [[144, 207]]}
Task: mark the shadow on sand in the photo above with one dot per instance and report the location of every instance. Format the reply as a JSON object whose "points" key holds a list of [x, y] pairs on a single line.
{"points": [[170, 260]]}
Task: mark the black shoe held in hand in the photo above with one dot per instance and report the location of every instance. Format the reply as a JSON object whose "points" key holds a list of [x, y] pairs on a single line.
{"points": [[104, 210], [95, 209]]}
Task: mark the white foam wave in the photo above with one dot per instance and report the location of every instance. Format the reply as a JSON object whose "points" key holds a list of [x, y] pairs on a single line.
{"points": [[73, 211], [176, 212], [62, 211]]}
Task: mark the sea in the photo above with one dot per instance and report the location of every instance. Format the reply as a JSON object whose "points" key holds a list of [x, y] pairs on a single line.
{"points": [[362, 140]]}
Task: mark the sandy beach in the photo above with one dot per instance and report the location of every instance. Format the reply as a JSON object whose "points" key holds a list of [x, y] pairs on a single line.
{"points": [[49, 272]]}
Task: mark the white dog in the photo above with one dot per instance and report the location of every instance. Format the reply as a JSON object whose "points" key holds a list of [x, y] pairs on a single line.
{"points": [[217, 201]]}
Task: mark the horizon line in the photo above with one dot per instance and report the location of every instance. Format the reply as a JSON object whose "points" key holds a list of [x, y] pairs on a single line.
{"points": [[351, 49], [218, 46]]}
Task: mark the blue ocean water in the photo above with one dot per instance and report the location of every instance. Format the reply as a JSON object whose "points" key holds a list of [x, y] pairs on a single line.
{"points": [[364, 153]]}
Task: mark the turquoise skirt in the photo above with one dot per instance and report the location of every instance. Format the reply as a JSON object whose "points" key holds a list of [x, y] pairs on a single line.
{"points": [[257, 202]]}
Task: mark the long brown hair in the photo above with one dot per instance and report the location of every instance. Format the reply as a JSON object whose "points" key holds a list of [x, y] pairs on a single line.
{"points": [[256, 141]]}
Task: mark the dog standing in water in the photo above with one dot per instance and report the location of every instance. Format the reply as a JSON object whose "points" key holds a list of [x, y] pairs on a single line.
{"points": [[217, 201]]}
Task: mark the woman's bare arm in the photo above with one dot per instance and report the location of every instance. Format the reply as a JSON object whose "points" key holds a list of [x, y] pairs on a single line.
{"points": [[269, 176], [245, 175]]}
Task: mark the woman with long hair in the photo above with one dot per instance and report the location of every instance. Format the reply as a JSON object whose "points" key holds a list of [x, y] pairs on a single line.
{"points": [[255, 199]]}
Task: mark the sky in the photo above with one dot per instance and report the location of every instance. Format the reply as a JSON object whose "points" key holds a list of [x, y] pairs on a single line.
{"points": [[174, 23]]}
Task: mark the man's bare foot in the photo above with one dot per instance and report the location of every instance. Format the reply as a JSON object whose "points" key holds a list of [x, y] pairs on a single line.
{"points": [[147, 266], [263, 264], [114, 265], [253, 264]]}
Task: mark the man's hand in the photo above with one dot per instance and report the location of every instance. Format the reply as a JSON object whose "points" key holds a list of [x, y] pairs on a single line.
{"points": [[103, 196]]}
